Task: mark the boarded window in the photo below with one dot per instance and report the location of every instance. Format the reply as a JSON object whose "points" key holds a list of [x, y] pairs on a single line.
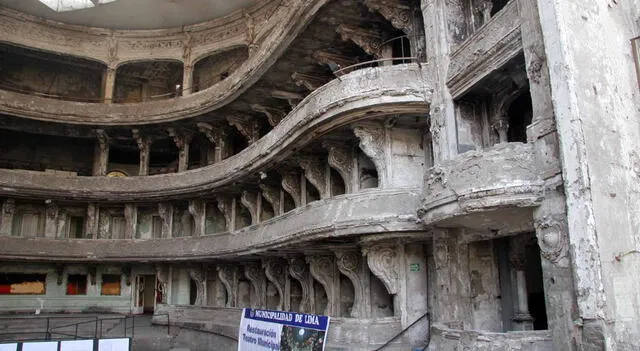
{"points": [[110, 284], [22, 284], [76, 284]]}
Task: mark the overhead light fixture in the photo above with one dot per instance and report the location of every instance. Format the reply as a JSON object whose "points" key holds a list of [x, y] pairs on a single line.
{"points": [[71, 5]]}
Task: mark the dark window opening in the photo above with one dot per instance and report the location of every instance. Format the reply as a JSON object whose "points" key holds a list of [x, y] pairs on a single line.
{"points": [[498, 5], [76, 227], [520, 113], [76, 284], [193, 292], [22, 284], [110, 285], [312, 192], [163, 157], [401, 48]]}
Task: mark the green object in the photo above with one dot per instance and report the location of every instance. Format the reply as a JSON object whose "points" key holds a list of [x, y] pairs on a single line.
{"points": [[414, 267]]}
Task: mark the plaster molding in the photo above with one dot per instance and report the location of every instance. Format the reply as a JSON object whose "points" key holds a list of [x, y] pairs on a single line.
{"points": [[384, 261]]}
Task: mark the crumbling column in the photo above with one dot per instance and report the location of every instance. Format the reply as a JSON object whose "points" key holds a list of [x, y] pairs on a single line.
{"points": [[101, 154], [6, 217], [165, 211], [51, 219], [522, 319], [92, 221], [131, 220], [109, 82], [144, 146], [182, 142]]}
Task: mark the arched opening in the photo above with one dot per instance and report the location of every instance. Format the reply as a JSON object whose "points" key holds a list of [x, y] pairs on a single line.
{"points": [[273, 297], [267, 210], [237, 141], [347, 296], [367, 171], [243, 216], [217, 67], [381, 300], [215, 222], [312, 192], [295, 295], [148, 80], [163, 157], [401, 48], [520, 113], [55, 76], [320, 295], [201, 151], [337, 183]]}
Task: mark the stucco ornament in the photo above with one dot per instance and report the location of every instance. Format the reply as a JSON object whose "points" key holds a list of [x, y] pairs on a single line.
{"points": [[349, 264], [229, 278], [322, 268], [383, 260], [298, 270], [552, 238], [274, 270]]}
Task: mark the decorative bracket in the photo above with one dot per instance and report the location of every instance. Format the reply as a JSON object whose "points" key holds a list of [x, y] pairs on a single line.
{"points": [[369, 41], [384, 262], [272, 195], [256, 276], [341, 159], [314, 171], [274, 116], [250, 201], [275, 271], [247, 126], [291, 184], [372, 139]]}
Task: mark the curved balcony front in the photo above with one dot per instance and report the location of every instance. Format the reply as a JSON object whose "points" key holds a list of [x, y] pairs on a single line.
{"points": [[359, 95], [275, 28], [366, 212], [494, 189]]}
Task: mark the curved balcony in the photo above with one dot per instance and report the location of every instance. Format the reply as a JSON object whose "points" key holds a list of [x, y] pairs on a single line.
{"points": [[270, 39], [358, 95], [443, 338], [495, 189], [366, 212]]}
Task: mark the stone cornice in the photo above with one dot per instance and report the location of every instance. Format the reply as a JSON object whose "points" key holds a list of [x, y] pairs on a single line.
{"points": [[398, 89], [390, 210], [270, 40]]}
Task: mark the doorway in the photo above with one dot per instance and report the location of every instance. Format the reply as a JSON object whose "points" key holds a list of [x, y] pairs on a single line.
{"points": [[146, 293]]}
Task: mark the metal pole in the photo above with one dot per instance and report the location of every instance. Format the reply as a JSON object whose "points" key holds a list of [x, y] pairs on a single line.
{"points": [[76, 336], [168, 325], [101, 328], [133, 326], [48, 334], [95, 330]]}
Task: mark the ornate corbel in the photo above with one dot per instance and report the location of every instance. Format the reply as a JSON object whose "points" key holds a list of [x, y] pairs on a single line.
{"points": [[144, 146], [218, 136], [182, 143], [314, 171], [395, 12], [256, 276], [228, 275], [370, 41], [322, 268], [198, 276], [292, 98], [349, 263], [384, 263], [341, 159], [274, 116], [272, 195], [249, 200], [275, 271], [308, 81], [334, 61], [372, 140], [197, 209], [291, 184], [299, 271], [247, 126], [165, 211], [225, 205], [552, 238]]}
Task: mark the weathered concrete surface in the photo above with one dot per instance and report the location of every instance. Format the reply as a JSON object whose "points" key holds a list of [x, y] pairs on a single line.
{"points": [[478, 185], [366, 212], [595, 97], [362, 94], [445, 339]]}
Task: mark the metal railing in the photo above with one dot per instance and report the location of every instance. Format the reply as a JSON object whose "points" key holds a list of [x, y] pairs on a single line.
{"points": [[54, 332], [402, 332]]}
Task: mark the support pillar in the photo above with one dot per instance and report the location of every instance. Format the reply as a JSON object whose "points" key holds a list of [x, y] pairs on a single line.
{"points": [[165, 211], [187, 80], [182, 142], [92, 222], [109, 82], [144, 146], [198, 210], [101, 154], [51, 219], [6, 219], [131, 220], [351, 264], [258, 280]]}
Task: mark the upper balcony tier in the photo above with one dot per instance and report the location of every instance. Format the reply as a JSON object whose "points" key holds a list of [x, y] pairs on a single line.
{"points": [[359, 95]]}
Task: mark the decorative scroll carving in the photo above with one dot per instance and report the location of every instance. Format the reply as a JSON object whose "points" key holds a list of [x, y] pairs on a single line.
{"points": [[322, 268], [162, 275], [250, 32], [131, 220], [182, 142], [314, 170], [272, 195], [349, 263], [198, 209], [275, 271], [334, 61], [165, 211], [291, 184], [247, 126], [225, 205], [370, 41], [383, 261], [274, 116], [398, 14], [298, 270], [228, 275], [256, 276], [250, 201], [341, 159], [308, 81], [552, 238], [292, 98], [198, 276], [372, 144], [218, 136]]}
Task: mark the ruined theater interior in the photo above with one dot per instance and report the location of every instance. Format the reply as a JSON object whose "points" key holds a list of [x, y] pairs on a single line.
{"points": [[431, 174]]}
